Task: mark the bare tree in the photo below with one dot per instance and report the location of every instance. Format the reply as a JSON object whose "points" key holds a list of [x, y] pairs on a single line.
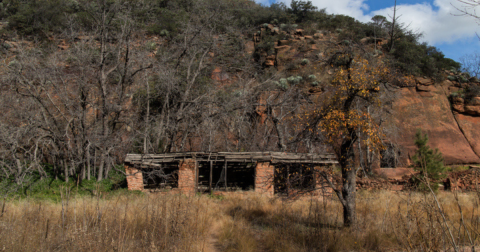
{"points": [[469, 8], [471, 64], [80, 96]]}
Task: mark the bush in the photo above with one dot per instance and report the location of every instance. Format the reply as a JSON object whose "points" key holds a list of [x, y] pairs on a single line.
{"points": [[417, 59], [451, 78], [471, 91], [428, 162], [294, 80], [38, 17], [282, 84]]}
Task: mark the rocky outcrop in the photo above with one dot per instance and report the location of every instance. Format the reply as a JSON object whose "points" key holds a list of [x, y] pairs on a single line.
{"points": [[468, 180], [452, 124], [428, 108]]}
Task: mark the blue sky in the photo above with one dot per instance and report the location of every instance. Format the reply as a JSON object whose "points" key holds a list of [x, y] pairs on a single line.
{"points": [[454, 35]]}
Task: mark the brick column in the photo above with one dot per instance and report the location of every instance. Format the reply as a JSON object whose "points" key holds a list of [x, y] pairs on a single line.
{"points": [[134, 178], [186, 176], [264, 174]]}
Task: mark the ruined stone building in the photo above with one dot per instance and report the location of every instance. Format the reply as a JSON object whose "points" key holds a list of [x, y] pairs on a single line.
{"points": [[192, 172]]}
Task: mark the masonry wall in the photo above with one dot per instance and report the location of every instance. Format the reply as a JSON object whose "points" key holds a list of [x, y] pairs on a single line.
{"points": [[134, 178], [264, 175], [186, 176]]}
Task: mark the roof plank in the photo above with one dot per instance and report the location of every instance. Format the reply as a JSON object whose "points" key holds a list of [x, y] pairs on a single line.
{"points": [[274, 157]]}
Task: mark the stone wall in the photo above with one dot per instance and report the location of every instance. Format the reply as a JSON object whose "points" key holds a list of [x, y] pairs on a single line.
{"points": [[134, 178], [186, 176], [264, 174]]}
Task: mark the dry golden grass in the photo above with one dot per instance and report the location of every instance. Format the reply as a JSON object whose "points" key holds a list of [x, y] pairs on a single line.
{"points": [[387, 221]]}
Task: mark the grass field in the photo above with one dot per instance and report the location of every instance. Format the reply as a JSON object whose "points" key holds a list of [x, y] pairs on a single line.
{"points": [[387, 221]]}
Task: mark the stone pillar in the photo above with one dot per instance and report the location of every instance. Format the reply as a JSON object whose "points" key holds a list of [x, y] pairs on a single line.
{"points": [[134, 178], [186, 176], [264, 174]]}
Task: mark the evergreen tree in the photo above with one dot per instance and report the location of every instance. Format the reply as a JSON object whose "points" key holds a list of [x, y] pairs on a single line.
{"points": [[429, 163]]}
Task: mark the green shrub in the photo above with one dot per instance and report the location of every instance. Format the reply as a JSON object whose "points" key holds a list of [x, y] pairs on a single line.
{"points": [[428, 162], [417, 58], [305, 62], [312, 77], [38, 17], [471, 91], [452, 78], [6, 46], [462, 79], [282, 84], [460, 93], [294, 80], [151, 46]]}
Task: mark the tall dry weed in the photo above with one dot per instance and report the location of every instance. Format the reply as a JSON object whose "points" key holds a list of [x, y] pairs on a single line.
{"points": [[126, 223], [386, 221]]}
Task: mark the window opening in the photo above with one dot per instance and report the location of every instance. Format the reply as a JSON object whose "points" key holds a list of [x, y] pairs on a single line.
{"points": [[291, 178], [390, 156], [161, 178], [240, 176]]}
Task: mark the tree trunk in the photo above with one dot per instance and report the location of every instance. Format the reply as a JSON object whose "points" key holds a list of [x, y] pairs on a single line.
{"points": [[101, 167], [88, 162], [392, 32], [65, 167], [349, 177], [349, 173]]}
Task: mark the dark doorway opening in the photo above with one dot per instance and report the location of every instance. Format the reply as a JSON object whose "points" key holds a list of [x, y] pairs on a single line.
{"points": [[390, 156], [293, 178], [161, 178], [239, 176]]}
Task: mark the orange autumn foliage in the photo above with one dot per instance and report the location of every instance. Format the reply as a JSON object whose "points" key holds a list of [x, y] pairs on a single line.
{"points": [[361, 80]]}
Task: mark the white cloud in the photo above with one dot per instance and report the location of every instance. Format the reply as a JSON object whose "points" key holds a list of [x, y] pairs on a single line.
{"points": [[438, 25]]}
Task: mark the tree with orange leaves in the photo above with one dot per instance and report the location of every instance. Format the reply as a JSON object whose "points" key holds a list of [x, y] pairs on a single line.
{"points": [[340, 122]]}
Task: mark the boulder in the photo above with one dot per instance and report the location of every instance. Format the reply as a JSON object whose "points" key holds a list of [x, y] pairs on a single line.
{"points": [[424, 81], [457, 100], [423, 88], [299, 32], [475, 101], [281, 49], [365, 40], [269, 63], [458, 108], [250, 47], [472, 110], [219, 74]]}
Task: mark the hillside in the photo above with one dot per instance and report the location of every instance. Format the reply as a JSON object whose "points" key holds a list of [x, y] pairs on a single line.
{"points": [[85, 82]]}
